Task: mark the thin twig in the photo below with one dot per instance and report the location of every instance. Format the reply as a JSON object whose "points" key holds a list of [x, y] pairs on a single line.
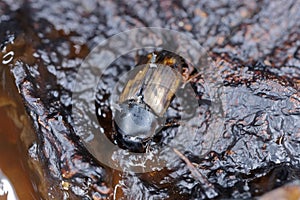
{"points": [[191, 167], [209, 188]]}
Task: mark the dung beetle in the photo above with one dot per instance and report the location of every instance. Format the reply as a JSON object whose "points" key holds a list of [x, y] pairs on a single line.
{"points": [[145, 99]]}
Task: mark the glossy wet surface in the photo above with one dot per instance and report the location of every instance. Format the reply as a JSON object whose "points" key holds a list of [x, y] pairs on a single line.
{"points": [[255, 46], [14, 177]]}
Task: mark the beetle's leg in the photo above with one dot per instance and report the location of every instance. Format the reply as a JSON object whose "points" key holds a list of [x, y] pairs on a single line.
{"points": [[193, 77], [190, 79], [148, 148], [173, 122]]}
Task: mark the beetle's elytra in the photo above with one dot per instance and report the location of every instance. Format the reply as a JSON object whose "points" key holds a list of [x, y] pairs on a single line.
{"points": [[145, 99]]}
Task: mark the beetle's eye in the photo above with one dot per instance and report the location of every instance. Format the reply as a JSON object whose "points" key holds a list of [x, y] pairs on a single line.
{"points": [[135, 125]]}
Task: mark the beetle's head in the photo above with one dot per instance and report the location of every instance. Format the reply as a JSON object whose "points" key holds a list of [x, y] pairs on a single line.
{"points": [[135, 125]]}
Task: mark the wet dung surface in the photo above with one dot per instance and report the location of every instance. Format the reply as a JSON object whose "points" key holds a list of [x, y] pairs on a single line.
{"points": [[255, 49]]}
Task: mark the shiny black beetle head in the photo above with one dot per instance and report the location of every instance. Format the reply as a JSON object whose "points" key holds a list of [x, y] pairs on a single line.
{"points": [[135, 125]]}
